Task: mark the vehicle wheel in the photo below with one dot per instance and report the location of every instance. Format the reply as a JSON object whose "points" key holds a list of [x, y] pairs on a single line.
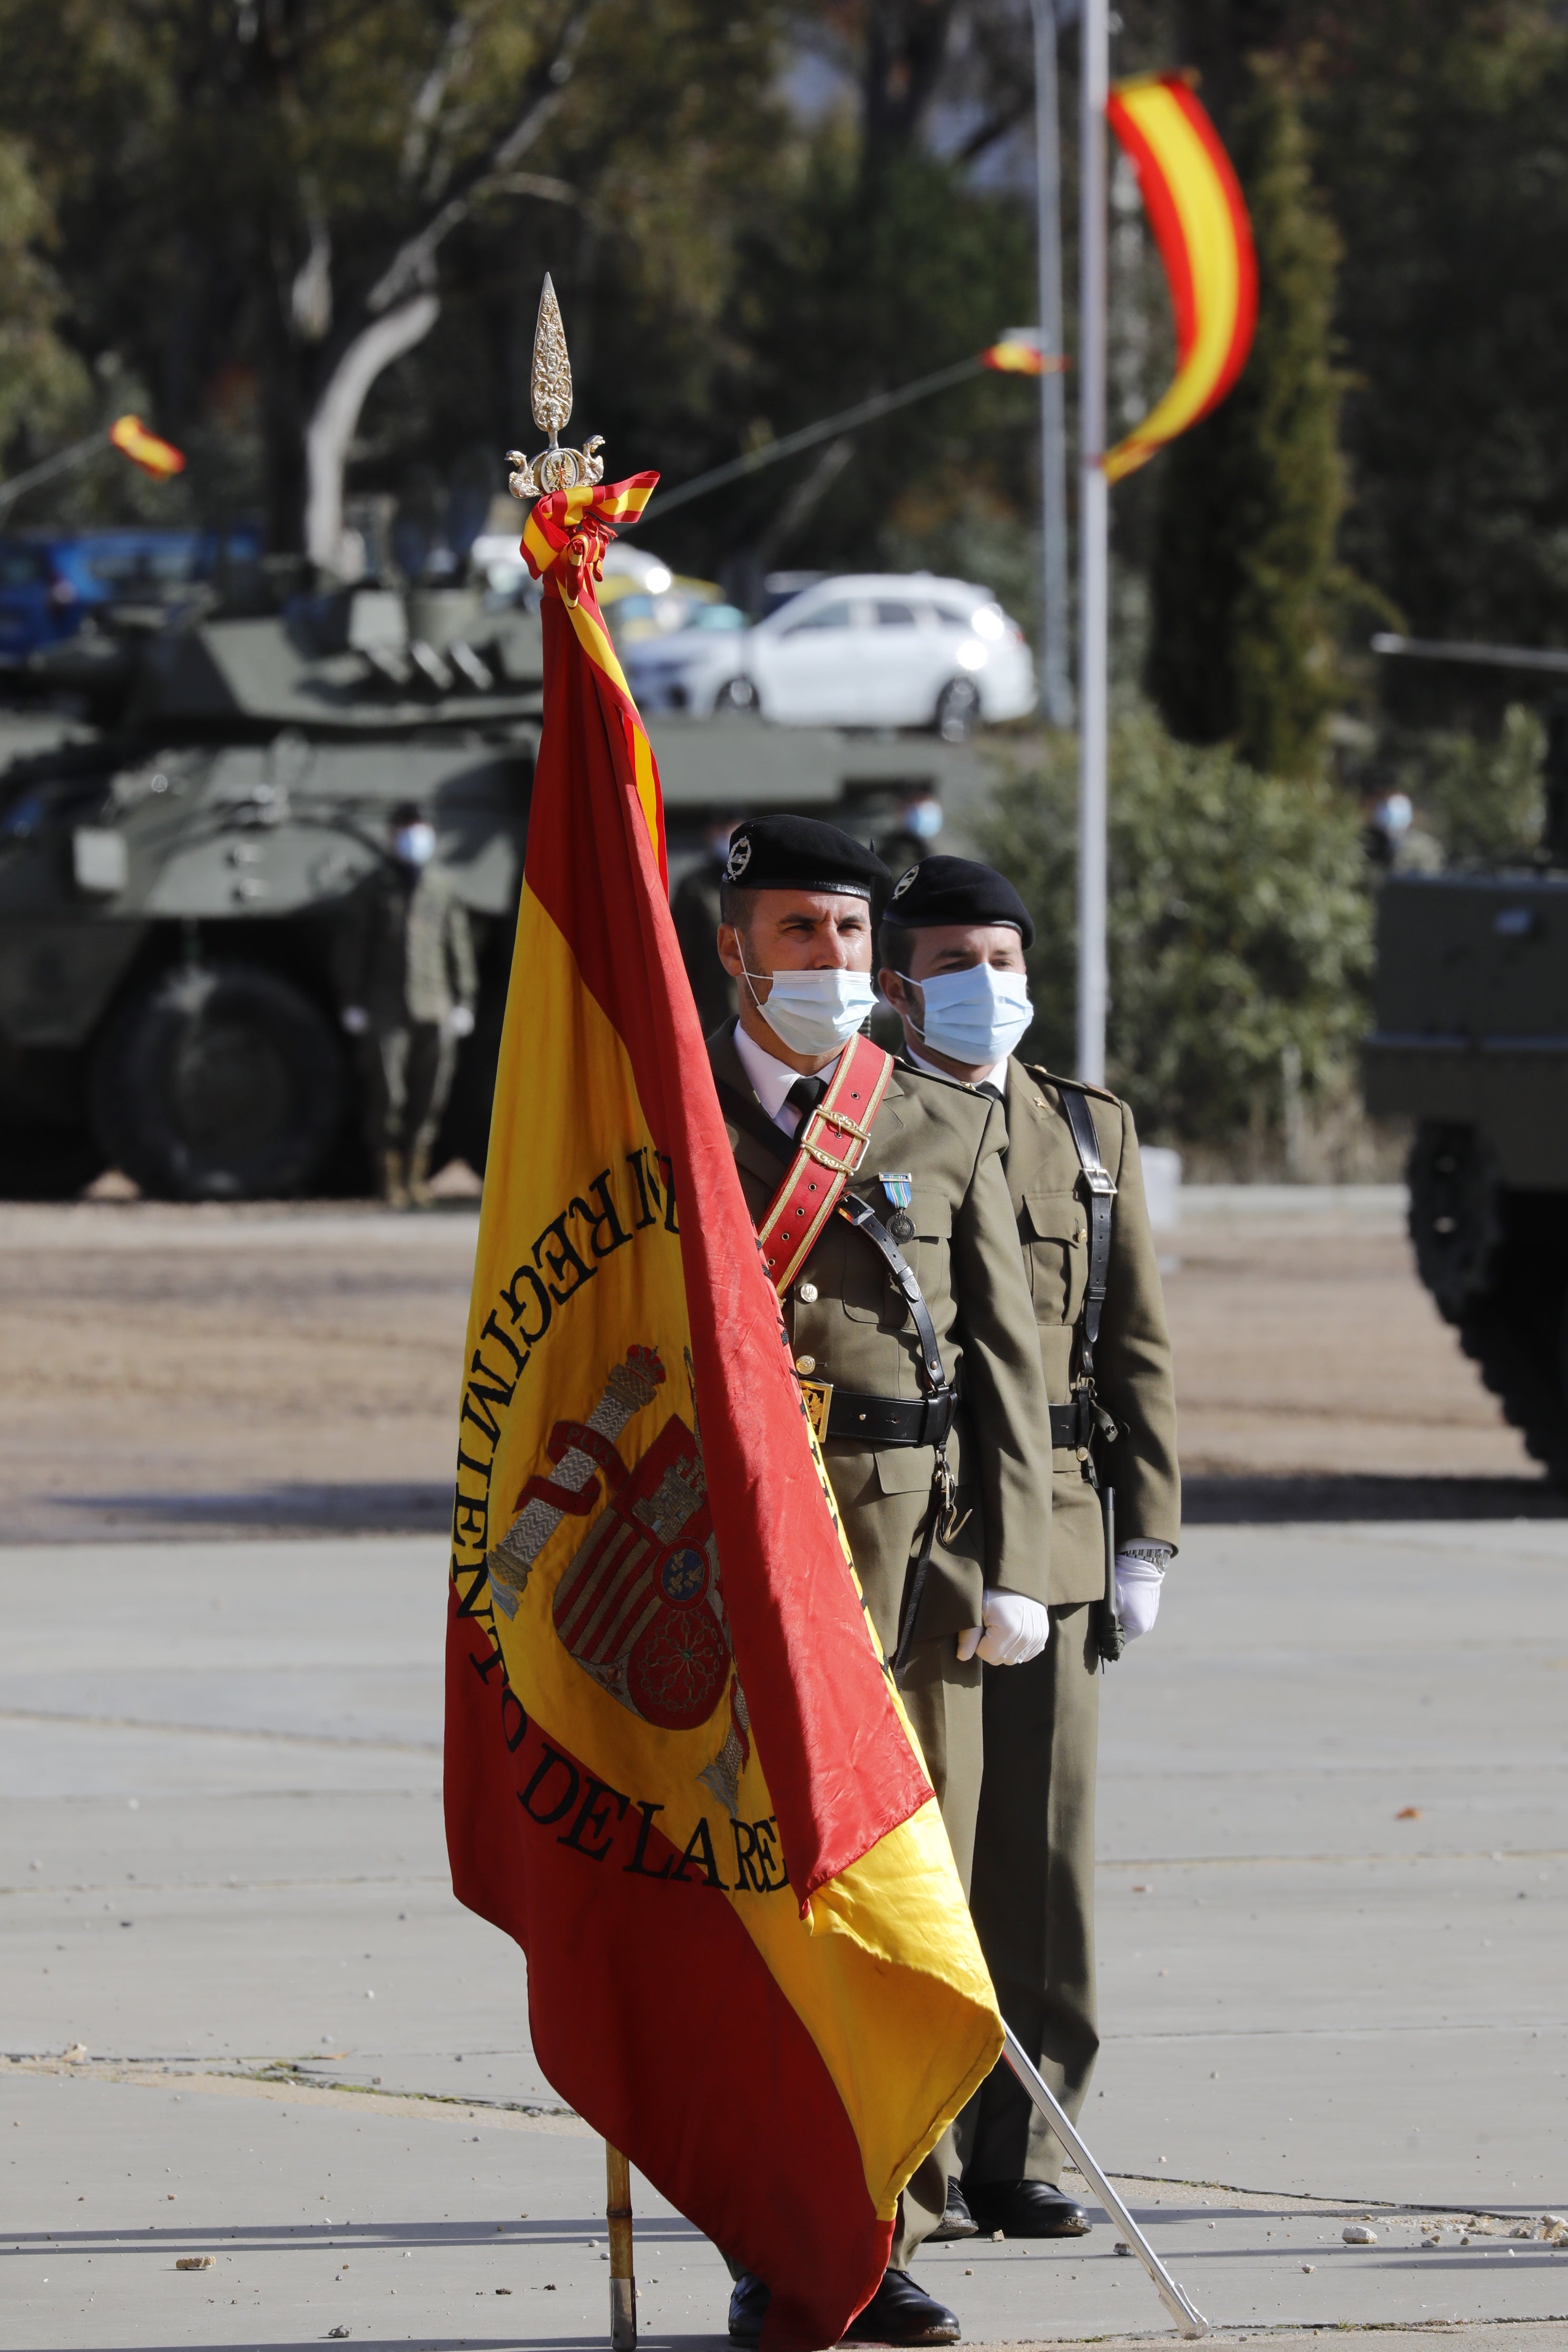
{"points": [[219, 1083], [958, 711], [1517, 1330], [737, 694], [1456, 1216]]}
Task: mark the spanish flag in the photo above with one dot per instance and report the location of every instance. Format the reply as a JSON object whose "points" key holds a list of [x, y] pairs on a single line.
{"points": [[1198, 215], [677, 1770], [160, 458], [1014, 355]]}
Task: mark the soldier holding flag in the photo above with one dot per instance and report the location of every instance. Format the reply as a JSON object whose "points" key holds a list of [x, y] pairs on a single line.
{"points": [[677, 1768], [885, 1226]]}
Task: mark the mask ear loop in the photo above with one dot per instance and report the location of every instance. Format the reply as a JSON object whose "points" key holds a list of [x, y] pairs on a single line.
{"points": [[914, 1024], [750, 978]]}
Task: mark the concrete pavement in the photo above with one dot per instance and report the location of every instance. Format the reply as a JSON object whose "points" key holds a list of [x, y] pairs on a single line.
{"points": [[1333, 1897]]}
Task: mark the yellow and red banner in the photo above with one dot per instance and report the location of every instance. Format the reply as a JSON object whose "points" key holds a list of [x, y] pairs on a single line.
{"points": [[1199, 215], [677, 1770], [160, 458], [1020, 354]]}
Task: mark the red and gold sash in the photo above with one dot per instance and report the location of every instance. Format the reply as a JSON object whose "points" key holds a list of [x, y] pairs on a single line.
{"points": [[830, 1147]]}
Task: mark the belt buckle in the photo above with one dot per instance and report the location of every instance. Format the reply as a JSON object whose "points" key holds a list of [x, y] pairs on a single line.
{"points": [[817, 1396], [841, 1119], [825, 1160]]}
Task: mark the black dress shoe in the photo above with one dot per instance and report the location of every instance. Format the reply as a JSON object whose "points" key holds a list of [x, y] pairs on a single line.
{"points": [[957, 2221], [748, 2299], [1026, 2209], [902, 2312]]}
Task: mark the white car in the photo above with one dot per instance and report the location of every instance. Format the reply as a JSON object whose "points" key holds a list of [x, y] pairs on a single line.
{"points": [[862, 650]]}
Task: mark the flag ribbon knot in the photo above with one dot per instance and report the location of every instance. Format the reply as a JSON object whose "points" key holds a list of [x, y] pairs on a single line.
{"points": [[566, 534]]}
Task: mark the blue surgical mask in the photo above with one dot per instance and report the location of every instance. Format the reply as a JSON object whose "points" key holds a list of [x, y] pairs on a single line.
{"points": [[414, 844], [816, 1011], [975, 1016], [922, 820]]}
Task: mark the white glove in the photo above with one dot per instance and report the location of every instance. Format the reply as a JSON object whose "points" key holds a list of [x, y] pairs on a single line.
{"points": [[460, 1022], [1015, 1629], [355, 1020], [1137, 1583]]}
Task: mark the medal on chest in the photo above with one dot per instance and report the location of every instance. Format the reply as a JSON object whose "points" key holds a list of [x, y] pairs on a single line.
{"points": [[900, 1192]]}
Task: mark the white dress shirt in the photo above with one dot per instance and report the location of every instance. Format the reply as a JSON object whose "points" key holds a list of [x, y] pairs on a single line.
{"points": [[772, 1080]]}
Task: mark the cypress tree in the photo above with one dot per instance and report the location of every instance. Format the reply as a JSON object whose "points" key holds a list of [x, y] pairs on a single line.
{"points": [[1243, 573]]}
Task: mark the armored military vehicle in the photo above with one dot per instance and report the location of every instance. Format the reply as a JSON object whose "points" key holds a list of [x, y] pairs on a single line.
{"points": [[182, 829], [1470, 1040]]}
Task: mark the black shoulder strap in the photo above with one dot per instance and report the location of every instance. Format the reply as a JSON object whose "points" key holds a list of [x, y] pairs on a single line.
{"points": [[1102, 1193], [755, 1122]]}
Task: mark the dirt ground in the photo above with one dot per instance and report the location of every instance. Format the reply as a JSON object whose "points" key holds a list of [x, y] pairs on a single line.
{"points": [[209, 1370]]}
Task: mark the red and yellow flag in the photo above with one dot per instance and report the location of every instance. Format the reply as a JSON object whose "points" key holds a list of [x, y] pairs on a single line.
{"points": [[677, 1770], [1199, 215], [131, 438]]}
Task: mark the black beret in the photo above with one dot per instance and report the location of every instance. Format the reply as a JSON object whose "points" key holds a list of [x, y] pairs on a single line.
{"points": [[800, 852], [956, 891]]}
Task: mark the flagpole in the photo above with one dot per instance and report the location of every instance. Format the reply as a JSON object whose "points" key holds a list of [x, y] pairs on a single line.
{"points": [[61, 463], [1055, 666], [1093, 550], [618, 2219]]}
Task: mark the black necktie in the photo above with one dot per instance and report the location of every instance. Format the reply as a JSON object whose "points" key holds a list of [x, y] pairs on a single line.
{"points": [[995, 1093], [805, 1096]]}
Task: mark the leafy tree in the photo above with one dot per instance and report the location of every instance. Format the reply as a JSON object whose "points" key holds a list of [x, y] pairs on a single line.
{"points": [[832, 305], [273, 204], [1240, 926], [1440, 137], [43, 385], [1243, 582]]}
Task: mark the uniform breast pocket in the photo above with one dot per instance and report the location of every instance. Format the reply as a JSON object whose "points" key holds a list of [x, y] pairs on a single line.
{"points": [[1053, 1229], [871, 1295]]}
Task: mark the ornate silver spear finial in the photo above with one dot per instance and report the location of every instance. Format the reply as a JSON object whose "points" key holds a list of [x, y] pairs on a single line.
{"points": [[554, 468]]}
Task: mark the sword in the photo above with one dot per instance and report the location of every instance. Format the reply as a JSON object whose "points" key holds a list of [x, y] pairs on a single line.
{"points": [[1186, 2314]]}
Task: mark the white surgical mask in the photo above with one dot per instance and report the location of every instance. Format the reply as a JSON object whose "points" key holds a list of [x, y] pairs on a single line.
{"points": [[976, 1016], [414, 844], [816, 1011]]}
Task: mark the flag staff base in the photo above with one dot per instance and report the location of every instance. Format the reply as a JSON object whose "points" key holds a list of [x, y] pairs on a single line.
{"points": [[623, 2285], [1187, 2316]]}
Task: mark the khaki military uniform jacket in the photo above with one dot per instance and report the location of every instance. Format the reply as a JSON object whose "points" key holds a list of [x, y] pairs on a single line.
{"points": [[407, 953], [966, 1259], [1133, 1374]]}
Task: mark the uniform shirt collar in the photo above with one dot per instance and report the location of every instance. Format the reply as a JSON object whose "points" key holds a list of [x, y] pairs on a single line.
{"points": [[771, 1079], [996, 1075]]}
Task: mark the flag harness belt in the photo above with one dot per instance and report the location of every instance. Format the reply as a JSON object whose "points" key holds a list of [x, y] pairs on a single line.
{"points": [[1084, 1424], [829, 1150]]}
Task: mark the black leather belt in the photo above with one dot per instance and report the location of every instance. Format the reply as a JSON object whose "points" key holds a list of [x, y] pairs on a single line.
{"points": [[891, 1420], [1072, 1424]]}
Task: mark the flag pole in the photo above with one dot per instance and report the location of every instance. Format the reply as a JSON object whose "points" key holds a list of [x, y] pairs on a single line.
{"points": [[623, 2283], [1180, 2306], [1094, 76], [1056, 664]]}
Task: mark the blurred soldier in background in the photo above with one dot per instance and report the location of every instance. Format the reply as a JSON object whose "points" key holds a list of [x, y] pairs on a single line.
{"points": [[695, 908], [916, 830], [952, 948], [407, 983]]}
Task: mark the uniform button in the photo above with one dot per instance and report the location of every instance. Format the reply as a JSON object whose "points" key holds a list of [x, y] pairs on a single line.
{"points": [[807, 1294], [805, 1364]]}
